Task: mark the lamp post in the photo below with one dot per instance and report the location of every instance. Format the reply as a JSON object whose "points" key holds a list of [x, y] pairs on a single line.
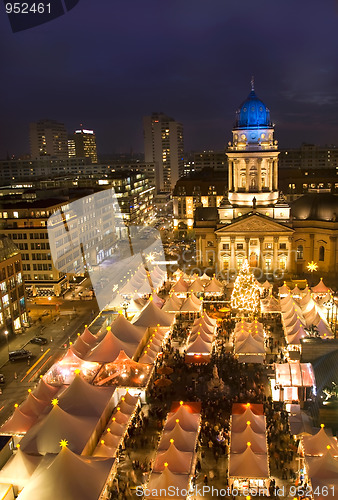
{"points": [[6, 333]]}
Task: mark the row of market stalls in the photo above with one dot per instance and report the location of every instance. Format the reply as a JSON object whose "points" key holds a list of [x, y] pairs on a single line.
{"points": [[319, 461], [248, 459], [201, 339], [82, 403], [301, 314], [249, 343], [176, 456], [204, 285], [190, 305]]}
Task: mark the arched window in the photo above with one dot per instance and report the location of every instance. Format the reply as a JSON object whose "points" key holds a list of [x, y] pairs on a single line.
{"points": [[321, 254], [300, 252]]}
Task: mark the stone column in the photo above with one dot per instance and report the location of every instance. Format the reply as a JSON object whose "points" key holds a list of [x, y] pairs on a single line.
{"points": [[235, 171], [247, 240], [247, 175], [289, 263], [260, 259], [232, 252], [270, 176], [230, 173], [275, 175], [259, 174], [275, 252]]}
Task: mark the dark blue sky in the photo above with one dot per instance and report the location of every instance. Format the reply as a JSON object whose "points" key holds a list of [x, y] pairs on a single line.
{"points": [[109, 62]]}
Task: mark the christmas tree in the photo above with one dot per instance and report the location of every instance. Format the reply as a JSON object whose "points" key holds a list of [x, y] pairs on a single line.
{"points": [[245, 294]]}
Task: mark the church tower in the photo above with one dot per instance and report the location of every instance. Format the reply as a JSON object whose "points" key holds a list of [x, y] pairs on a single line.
{"points": [[253, 165], [253, 156]]}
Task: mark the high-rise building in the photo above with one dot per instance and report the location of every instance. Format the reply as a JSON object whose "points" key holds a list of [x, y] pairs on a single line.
{"points": [[82, 144], [163, 144], [48, 138], [13, 315]]}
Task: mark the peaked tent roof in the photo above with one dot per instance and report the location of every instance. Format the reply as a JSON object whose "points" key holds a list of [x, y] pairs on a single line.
{"points": [[165, 479], [214, 286], [19, 468], [183, 440], [109, 348], [189, 305], [204, 336], [171, 305], [316, 444], [320, 287], [45, 391], [18, 423], [152, 316], [69, 476], [81, 346], [33, 406], [199, 346], [250, 346], [257, 422], [180, 286], [248, 465], [46, 435], [239, 441], [125, 331], [188, 421], [85, 400], [196, 286], [178, 461], [324, 467], [88, 337]]}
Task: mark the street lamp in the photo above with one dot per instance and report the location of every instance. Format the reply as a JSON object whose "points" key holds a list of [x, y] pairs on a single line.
{"points": [[6, 333]]}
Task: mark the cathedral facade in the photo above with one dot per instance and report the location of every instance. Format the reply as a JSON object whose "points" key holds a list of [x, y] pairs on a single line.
{"points": [[253, 219]]}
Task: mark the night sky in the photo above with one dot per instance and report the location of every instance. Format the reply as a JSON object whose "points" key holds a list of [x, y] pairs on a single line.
{"points": [[107, 63]]}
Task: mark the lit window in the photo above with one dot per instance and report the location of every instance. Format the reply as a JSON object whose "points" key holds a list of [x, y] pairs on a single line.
{"points": [[16, 215]]}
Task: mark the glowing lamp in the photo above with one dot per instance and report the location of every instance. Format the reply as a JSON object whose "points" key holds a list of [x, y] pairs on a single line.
{"points": [[16, 405], [108, 430], [165, 464], [328, 447], [248, 422], [177, 420], [29, 390], [63, 443], [78, 334], [248, 497], [118, 408], [55, 401], [248, 405], [113, 419], [151, 298], [41, 376], [171, 441], [123, 398], [102, 441], [322, 426], [120, 311], [77, 371], [86, 326], [181, 403], [18, 445], [248, 444], [158, 324]]}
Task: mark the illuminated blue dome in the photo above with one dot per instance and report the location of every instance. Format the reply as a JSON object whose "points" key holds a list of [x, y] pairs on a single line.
{"points": [[253, 113]]}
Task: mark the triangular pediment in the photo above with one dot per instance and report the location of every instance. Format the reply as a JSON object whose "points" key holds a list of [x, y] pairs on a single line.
{"points": [[255, 223]]}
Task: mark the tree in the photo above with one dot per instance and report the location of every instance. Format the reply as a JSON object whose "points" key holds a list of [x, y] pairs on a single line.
{"points": [[245, 294]]}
